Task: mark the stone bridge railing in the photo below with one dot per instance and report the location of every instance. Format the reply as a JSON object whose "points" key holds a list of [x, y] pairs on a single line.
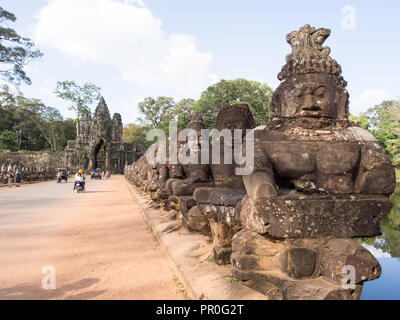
{"points": [[28, 174]]}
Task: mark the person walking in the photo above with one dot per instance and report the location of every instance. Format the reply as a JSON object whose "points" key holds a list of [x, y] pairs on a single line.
{"points": [[10, 176], [18, 177]]}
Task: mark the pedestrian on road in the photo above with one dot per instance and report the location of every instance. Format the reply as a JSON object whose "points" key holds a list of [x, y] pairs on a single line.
{"points": [[10, 178], [18, 177]]}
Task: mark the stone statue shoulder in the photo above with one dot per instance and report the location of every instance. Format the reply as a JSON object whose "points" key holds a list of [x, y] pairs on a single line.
{"points": [[355, 133]]}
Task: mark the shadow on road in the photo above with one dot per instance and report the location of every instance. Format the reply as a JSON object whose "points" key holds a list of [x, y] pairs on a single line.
{"points": [[97, 191], [29, 292]]}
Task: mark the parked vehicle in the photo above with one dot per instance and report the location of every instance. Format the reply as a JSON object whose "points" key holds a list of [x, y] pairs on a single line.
{"points": [[96, 174]]}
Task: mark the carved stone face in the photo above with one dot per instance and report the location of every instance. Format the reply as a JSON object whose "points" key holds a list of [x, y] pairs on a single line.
{"points": [[232, 124], [234, 116], [309, 95]]}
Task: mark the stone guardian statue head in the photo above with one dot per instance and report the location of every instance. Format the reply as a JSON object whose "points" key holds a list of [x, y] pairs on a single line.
{"points": [[311, 83]]}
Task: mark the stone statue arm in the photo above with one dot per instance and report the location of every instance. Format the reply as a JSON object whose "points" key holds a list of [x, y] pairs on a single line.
{"points": [[162, 175], [375, 173], [199, 173], [261, 182]]}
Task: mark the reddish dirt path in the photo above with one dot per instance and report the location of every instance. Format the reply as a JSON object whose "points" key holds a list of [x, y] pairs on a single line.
{"points": [[98, 243]]}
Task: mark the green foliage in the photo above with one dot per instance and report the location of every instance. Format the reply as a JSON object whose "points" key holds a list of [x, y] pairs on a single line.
{"points": [[384, 122], [158, 113], [361, 120], [81, 97], [15, 52], [157, 110], [257, 95], [182, 112], [133, 133], [233, 279], [62, 131], [8, 140], [28, 124]]}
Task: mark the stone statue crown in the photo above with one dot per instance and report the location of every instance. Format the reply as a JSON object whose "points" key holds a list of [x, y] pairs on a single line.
{"points": [[308, 55]]}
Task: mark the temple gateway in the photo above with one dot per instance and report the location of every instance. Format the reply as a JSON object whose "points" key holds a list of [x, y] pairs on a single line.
{"points": [[99, 143]]}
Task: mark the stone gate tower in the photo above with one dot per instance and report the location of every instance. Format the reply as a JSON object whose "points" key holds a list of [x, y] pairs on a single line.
{"points": [[99, 143]]}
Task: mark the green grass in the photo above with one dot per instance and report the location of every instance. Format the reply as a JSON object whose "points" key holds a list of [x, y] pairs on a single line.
{"points": [[181, 288]]}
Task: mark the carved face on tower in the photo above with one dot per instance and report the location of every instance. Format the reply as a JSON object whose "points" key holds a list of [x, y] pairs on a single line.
{"points": [[311, 86]]}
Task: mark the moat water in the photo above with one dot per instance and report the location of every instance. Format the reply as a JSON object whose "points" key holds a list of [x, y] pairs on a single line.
{"points": [[386, 248]]}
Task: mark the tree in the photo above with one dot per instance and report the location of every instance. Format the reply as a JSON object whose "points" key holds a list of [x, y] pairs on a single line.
{"points": [[81, 97], [385, 126], [63, 131], [361, 120], [15, 52], [17, 117], [257, 95], [133, 133], [157, 110], [6, 97], [182, 112], [8, 140], [28, 124]]}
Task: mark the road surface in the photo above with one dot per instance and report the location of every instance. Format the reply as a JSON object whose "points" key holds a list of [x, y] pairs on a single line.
{"points": [[94, 245]]}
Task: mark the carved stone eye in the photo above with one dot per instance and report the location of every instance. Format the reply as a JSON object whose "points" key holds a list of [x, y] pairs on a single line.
{"points": [[320, 92], [298, 94]]}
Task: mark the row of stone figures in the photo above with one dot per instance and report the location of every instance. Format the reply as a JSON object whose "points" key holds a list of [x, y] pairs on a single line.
{"points": [[28, 174], [318, 180]]}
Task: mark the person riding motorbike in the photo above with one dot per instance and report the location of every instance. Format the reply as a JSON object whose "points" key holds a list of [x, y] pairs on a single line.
{"points": [[80, 178], [108, 174]]}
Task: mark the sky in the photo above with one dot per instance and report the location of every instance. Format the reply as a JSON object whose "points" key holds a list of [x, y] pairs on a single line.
{"points": [[133, 49]]}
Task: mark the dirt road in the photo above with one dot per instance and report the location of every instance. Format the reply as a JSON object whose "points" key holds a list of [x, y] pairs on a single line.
{"points": [[97, 245]]}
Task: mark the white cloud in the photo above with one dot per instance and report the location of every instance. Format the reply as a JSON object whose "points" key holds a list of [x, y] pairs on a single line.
{"points": [[369, 98], [130, 38], [377, 253], [138, 2], [128, 109]]}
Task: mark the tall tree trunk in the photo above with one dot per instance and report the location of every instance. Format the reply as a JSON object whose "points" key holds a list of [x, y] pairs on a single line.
{"points": [[19, 139]]}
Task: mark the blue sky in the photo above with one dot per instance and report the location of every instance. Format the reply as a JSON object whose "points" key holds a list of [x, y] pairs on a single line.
{"points": [[138, 48]]}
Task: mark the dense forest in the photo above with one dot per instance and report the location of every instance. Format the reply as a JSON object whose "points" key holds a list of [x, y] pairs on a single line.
{"points": [[28, 124], [25, 123]]}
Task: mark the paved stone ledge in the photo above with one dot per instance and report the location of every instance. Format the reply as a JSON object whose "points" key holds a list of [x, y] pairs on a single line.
{"points": [[188, 253]]}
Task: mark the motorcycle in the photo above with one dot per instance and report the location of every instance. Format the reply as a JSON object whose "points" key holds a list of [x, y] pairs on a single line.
{"points": [[62, 176], [79, 187]]}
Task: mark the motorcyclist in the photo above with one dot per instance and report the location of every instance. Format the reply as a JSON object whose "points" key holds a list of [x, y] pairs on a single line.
{"points": [[80, 178], [108, 174]]}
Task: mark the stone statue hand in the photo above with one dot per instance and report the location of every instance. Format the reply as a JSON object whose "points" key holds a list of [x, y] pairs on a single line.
{"points": [[260, 184]]}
